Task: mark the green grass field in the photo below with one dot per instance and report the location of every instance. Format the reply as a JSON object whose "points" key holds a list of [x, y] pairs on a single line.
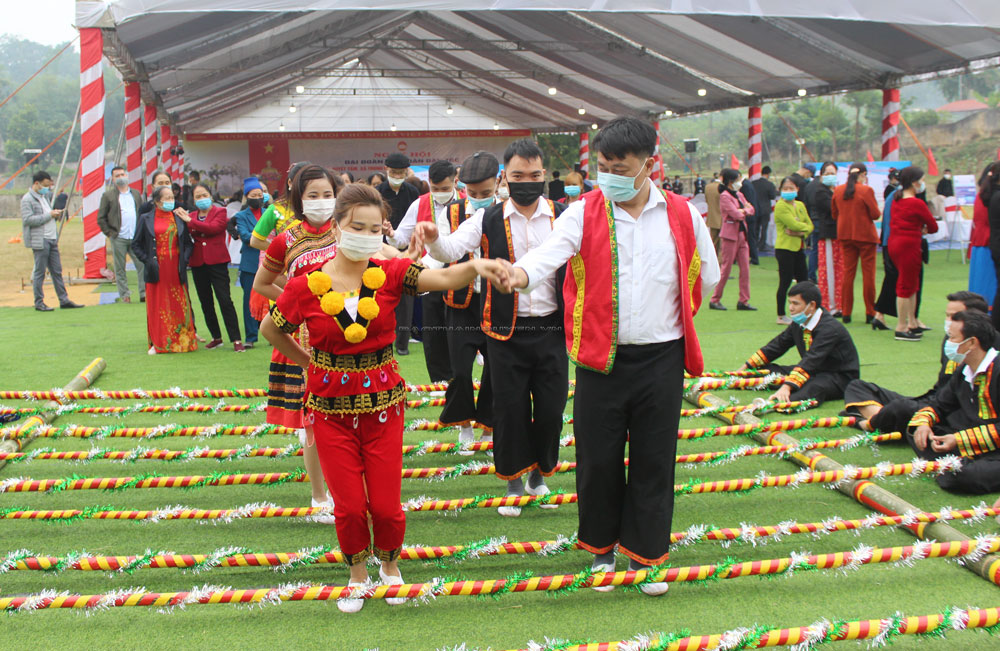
{"points": [[42, 351]]}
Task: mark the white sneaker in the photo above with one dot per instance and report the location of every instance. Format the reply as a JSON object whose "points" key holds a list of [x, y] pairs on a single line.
{"points": [[654, 589], [392, 580], [538, 492], [510, 511], [324, 518], [351, 605], [608, 567], [487, 437], [152, 350], [465, 437]]}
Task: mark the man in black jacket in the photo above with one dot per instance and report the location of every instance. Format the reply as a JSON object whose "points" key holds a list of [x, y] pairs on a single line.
{"points": [[557, 189], [766, 193], [945, 187], [829, 360], [399, 195]]}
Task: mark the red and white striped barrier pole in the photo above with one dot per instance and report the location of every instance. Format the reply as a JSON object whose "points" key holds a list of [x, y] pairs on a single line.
{"points": [[133, 135], [92, 148], [149, 118], [584, 151], [658, 174], [754, 156], [890, 124]]}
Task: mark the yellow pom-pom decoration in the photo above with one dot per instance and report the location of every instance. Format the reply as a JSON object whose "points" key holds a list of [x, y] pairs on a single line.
{"points": [[368, 308], [355, 333], [332, 303], [319, 283], [373, 278]]}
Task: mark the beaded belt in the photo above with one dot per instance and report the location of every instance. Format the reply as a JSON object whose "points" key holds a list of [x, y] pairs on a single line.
{"points": [[345, 363]]}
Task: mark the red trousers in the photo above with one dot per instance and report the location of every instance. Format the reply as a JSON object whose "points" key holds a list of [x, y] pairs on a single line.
{"points": [[853, 251], [362, 462]]}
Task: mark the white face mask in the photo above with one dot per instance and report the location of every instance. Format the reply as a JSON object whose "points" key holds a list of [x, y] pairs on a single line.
{"points": [[395, 181], [318, 211], [358, 247], [441, 198], [503, 192]]}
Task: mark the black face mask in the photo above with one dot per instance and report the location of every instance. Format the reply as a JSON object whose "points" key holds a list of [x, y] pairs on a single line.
{"points": [[255, 203], [526, 192]]}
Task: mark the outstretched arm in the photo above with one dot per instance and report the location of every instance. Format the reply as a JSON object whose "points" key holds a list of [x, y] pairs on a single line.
{"points": [[460, 275]]}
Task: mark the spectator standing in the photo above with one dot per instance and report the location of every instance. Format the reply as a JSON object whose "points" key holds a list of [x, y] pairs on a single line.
{"points": [[830, 259], [733, 237], [246, 221], [767, 194], [989, 193], [699, 185], [714, 216], [556, 187], [747, 190], [164, 245], [910, 220], [792, 226], [946, 187], [116, 217], [400, 195], [573, 188], [40, 233], [982, 276], [678, 186], [855, 210]]}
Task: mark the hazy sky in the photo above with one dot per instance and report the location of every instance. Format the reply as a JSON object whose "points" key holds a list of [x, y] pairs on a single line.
{"points": [[45, 21]]}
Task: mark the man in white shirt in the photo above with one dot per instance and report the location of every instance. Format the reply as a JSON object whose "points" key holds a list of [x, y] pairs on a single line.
{"points": [[431, 207], [527, 360], [640, 262], [116, 217]]}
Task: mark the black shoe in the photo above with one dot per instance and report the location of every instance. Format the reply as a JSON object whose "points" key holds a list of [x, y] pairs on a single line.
{"points": [[878, 324], [142, 299], [908, 336], [745, 307], [851, 412], [69, 305], [869, 318], [716, 306], [755, 262], [921, 329], [44, 308], [402, 353], [846, 319], [838, 314]]}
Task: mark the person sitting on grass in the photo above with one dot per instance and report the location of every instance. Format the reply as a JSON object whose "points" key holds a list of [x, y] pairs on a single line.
{"points": [[829, 359], [962, 418], [878, 408]]}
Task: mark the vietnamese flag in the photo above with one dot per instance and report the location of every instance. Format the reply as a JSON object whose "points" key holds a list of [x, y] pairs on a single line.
{"points": [[932, 166], [269, 161], [734, 162], [870, 158]]}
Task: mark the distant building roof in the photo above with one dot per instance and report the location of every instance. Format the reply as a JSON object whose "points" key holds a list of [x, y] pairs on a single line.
{"points": [[963, 106]]}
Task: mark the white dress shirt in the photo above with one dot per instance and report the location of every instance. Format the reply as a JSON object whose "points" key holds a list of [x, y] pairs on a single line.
{"points": [[649, 292], [526, 233], [401, 236], [970, 377], [126, 206]]}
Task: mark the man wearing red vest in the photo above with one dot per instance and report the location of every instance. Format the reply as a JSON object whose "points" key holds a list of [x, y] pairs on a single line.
{"points": [[640, 262], [525, 350], [431, 207]]}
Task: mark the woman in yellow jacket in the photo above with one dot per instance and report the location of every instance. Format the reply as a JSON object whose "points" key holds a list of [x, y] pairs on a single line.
{"points": [[793, 225]]}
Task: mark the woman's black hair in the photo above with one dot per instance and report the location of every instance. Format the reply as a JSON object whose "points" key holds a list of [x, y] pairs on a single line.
{"points": [[825, 165], [908, 177], [201, 184], [788, 179], [310, 173], [856, 170], [372, 176], [989, 181], [729, 175]]}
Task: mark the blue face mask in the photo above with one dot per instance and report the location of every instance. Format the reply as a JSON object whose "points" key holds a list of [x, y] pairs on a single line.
{"points": [[829, 180], [203, 204], [572, 191], [460, 185], [479, 204], [168, 206], [618, 188], [801, 318], [789, 196], [951, 351], [45, 191], [267, 198]]}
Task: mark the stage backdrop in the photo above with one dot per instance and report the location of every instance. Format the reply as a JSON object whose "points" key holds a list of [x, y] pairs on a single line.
{"points": [[227, 158]]}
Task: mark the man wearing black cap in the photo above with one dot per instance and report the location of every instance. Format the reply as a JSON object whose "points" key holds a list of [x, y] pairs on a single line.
{"points": [[465, 338], [528, 364], [399, 195], [430, 207]]}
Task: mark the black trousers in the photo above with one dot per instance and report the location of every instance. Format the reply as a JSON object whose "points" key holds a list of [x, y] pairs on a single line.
{"points": [[530, 375], [896, 409], [465, 339], [978, 476], [404, 317], [820, 386], [752, 230], [791, 265], [434, 335], [639, 402], [215, 277]]}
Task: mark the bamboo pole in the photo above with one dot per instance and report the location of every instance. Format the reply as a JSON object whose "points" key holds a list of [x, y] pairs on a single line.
{"points": [[26, 436], [863, 491]]}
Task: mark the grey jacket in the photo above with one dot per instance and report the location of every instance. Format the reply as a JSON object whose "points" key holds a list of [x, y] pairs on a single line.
{"points": [[33, 219], [109, 214]]}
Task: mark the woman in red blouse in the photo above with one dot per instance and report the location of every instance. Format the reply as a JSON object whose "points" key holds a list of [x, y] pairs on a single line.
{"points": [[910, 220], [353, 403], [855, 210]]}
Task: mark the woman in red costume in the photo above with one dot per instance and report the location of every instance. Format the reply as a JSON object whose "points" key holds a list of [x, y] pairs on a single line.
{"points": [[353, 404]]}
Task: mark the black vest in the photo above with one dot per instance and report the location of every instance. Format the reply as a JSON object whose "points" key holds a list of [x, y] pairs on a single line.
{"points": [[498, 311]]}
